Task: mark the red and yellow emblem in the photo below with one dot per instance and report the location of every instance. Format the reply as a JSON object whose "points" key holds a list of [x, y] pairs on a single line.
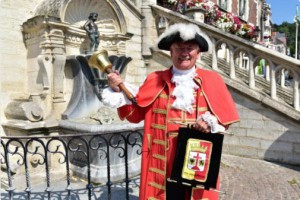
{"points": [[197, 160]]}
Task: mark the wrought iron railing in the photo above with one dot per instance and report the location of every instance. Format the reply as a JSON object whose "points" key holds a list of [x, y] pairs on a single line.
{"points": [[24, 159]]}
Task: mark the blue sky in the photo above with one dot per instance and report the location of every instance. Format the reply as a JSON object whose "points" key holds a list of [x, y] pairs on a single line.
{"points": [[283, 10]]}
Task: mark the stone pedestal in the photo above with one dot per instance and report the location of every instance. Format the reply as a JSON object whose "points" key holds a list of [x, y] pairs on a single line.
{"points": [[196, 14], [105, 148]]}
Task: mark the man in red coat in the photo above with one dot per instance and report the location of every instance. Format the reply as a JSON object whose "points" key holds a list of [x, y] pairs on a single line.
{"points": [[181, 94]]}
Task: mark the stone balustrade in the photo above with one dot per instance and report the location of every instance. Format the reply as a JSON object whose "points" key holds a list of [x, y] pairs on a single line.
{"points": [[268, 103], [282, 73]]}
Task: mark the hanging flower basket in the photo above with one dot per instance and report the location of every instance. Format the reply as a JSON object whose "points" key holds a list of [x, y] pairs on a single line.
{"points": [[210, 13]]}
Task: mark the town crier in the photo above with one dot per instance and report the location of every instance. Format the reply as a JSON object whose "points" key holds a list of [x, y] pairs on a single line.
{"points": [[168, 99]]}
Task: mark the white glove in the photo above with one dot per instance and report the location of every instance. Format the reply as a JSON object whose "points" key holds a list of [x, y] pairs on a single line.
{"points": [[117, 99], [212, 121]]}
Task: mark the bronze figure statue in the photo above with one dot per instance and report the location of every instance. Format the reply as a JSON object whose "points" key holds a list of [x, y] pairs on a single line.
{"points": [[92, 29]]}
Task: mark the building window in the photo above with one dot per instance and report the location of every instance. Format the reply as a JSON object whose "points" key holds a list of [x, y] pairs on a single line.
{"points": [[223, 4], [242, 7]]}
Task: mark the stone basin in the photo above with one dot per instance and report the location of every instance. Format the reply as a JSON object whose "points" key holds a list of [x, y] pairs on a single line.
{"points": [[113, 134]]}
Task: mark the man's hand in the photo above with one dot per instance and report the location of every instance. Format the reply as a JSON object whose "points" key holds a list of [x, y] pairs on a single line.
{"points": [[202, 126], [114, 80]]}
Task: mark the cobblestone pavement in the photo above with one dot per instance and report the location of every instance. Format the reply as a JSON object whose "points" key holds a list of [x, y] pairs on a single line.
{"points": [[241, 179], [251, 179]]}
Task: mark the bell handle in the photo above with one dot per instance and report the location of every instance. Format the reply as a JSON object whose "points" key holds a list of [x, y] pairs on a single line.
{"points": [[122, 87], [128, 94]]}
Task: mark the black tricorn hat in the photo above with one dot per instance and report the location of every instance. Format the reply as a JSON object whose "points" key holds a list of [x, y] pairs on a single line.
{"points": [[183, 33]]}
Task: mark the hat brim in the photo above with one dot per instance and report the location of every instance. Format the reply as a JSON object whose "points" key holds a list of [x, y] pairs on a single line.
{"points": [[166, 42]]}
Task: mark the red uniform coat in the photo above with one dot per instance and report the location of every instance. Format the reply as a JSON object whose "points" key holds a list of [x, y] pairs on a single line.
{"points": [[154, 102]]}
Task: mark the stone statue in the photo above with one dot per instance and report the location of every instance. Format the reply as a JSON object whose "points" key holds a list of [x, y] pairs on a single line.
{"points": [[92, 29]]}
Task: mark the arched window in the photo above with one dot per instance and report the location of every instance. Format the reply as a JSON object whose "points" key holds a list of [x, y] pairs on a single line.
{"points": [[223, 4], [242, 7]]}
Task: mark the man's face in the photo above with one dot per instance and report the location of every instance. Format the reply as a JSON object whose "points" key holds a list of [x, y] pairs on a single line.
{"points": [[184, 54]]}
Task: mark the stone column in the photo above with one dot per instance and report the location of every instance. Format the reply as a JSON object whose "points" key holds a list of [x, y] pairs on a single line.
{"points": [[268, 72], [242, 62], [44, 39], [273, 81], [251, 72], [53, 48], [214, 54], [282, 77], [296, 93], [231, 62], [148, 28]]}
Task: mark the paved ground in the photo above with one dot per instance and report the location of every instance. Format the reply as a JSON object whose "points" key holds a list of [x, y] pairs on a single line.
{"points": [[241, 179], [245, 179]]}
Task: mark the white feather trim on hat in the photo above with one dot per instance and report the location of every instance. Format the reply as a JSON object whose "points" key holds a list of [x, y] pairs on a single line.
{"points": [[187, 32]]}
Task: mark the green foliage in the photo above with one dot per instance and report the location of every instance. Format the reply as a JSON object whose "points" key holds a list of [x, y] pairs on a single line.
{"points": [[290, 30]]}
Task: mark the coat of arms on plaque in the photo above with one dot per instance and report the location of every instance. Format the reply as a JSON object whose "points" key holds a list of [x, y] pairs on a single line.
{"points": [[196, 160], [198, 157]]}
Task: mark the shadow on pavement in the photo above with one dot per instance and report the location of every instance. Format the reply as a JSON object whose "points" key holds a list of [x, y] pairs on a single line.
{"points": [[118, 192]]}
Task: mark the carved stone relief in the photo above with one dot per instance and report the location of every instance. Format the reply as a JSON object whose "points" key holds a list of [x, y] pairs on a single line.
{"points": [[76, 12], [55, 33], [59, 33]]}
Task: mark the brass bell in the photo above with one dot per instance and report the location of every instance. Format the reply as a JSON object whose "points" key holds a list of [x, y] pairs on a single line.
{"points": [[100, 61]]}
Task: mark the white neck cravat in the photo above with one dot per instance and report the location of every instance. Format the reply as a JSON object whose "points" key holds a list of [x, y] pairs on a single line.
{"points": [[184, 88]]}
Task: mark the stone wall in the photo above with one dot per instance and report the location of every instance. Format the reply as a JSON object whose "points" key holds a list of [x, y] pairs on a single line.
{"points": [[135, 70], [20, 70], [263, 133], [13, 54]]}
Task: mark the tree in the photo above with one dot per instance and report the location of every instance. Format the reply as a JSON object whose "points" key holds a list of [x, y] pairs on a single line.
{"points": [[290, 30]]}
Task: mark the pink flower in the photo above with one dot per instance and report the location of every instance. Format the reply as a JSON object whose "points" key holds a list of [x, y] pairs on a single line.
{"points": [[237, 21], [218, 14]]}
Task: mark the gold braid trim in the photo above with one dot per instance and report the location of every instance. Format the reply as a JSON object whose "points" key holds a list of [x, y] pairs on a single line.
{"points": [[158, 126], [160, 111], [202, 109], [152, 198], [156, 185], [158, 171], [164, 96], [172, 134], [149, 141], [160, 142], [160, 157]]}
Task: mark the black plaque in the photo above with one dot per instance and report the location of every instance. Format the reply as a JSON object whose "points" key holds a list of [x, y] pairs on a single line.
{"points": [[197, 159]]}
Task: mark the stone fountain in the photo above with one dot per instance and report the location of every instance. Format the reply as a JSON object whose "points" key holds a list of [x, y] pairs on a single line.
{"points": [[64, 93], [80, 117]]}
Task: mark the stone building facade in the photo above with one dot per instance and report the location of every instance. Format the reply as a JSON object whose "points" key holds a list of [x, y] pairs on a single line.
{"points": [[247, 10], [38, 37]]}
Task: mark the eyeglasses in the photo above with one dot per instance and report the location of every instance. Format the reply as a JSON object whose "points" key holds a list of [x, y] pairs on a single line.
{"points": [[185, 49]]}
